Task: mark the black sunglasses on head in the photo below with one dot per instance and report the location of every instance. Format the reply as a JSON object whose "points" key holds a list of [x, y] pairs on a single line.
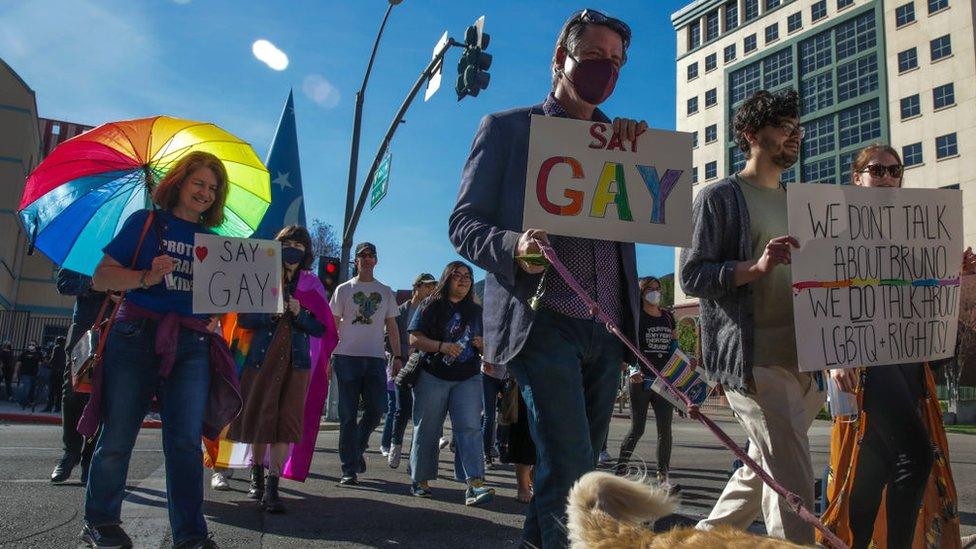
{"points": [[598, 18], [878, 170]]}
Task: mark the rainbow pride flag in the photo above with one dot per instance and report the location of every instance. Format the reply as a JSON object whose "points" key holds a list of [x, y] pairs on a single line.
{"points": [[684, 377], [226, 454]]}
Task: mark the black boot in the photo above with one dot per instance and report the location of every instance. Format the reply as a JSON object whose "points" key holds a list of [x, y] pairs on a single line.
{"points": [[257, 482], [271, 502]]}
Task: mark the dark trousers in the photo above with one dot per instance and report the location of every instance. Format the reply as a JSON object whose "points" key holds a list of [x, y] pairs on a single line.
{"points": [[895, 454], [76, 445], [404, 411], [54, 388], [641, 396], [567, 372], [492, 387], [8, 378]]}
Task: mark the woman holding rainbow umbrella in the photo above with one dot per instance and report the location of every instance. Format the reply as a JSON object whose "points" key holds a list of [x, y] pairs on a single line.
{"points": [[98, 191]]}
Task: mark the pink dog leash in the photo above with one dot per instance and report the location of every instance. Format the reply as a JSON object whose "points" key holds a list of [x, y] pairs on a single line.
{"points": [[793, 500]]}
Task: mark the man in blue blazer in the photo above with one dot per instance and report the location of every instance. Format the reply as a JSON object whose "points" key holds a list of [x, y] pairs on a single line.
{"points": [[566, 364]]}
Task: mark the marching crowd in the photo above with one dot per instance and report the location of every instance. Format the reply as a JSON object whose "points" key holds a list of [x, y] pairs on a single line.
{"points": [[530, 350]]}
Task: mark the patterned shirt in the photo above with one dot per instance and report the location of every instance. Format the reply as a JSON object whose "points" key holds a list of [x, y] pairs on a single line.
{"points": [[585, 258]]}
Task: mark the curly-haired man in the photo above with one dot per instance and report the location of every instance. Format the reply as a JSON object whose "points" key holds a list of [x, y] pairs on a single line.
{"points": [[739, 265]]}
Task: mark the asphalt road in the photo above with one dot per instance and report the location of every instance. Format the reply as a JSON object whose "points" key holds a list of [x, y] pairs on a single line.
{"points": [[378, 513]]}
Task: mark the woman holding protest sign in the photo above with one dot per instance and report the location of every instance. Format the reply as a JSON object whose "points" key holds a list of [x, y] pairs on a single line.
{"points": [[895, 448], [157, 347], [657, 339], [447, 329], [276, 373]]}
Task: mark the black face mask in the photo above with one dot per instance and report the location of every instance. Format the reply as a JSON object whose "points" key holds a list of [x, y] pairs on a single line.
{"points": [[593, 79], [292, 256]]}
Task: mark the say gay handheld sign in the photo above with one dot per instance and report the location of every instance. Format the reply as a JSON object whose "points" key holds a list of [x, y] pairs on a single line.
{"points": [[584, 180], [876, 278], [239, 275]]}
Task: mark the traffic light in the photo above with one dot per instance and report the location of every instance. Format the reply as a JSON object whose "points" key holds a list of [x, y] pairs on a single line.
{"points": [[474, 64], [329, 273]]}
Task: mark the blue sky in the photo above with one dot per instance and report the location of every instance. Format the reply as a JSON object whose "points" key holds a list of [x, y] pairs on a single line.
{"points": [[97, 61]]}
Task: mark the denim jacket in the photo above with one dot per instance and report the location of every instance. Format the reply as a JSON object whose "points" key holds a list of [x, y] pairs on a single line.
{"points": [[303, 326]]}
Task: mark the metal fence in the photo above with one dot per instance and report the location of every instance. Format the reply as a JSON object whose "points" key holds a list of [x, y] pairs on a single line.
{"points": [[20, 327]]}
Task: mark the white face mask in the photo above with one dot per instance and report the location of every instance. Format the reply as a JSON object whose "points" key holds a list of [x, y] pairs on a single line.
{"points": [[653, 297]]}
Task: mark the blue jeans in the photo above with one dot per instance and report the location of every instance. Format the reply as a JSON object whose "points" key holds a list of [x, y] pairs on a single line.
{"points": [[567, 372], [358, 376], [391, 408], [433, 398], [404, 410], [28, 390], [130, 380], [492, 386]]}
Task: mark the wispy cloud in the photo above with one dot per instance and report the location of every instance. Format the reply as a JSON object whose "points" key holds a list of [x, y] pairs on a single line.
{"points": [[317, 88]]}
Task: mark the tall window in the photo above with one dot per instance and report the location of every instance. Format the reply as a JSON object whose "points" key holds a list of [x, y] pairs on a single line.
{"points": [[941, 47], [937, 5], [859, 124], [794, 22], [745, 82], [729, 53], [711, 133], [946, 146], [711, 61], [778, 69], [911, 155], [818, 10], [693, 71], [694, 35], [694, 175], [694, 140], [711, 26], [692, 105], [819, 136], [905, 14], [772, 33], [943, 96], [855, 36], [907, 60], [731, 15], [711, 170], [816, 92], [749, 44], [910, 106], [816, 53], [711, 97], [751, 10], [857, 77]]}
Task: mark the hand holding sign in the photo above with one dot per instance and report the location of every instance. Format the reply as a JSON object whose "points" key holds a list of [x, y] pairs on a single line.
{"points": [[777, 252], [629, 129]]}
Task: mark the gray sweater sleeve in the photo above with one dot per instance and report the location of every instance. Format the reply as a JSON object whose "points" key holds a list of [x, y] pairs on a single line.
{"points": [[708, 266]]}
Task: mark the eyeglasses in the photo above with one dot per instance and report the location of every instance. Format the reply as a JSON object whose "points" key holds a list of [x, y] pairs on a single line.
{"points": [[592, 16], [458, 275], [878, 170], [792, 129]]}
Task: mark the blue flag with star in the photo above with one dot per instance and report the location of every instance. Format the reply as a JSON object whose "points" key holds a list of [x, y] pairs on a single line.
{"points": [[287, 201]]}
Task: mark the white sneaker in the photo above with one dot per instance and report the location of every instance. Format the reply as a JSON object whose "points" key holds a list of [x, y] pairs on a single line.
{"points": [[393, 459], [385, 450], [444, 443], [219, 482]]}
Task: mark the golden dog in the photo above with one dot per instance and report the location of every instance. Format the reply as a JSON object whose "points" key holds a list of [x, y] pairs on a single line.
{"points": [[608, 512]]}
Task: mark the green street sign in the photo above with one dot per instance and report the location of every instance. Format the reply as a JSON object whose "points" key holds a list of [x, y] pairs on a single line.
{"points": [[381, 182]]}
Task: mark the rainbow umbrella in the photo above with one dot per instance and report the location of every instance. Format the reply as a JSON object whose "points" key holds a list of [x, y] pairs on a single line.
{"points": [[76, 200]]}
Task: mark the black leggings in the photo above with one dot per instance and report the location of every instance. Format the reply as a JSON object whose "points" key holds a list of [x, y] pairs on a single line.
{"points": [[895, 453], [663, 415]]}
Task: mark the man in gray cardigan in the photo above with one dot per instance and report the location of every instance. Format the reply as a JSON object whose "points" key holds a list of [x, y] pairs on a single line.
{"points": [[739, 266]]}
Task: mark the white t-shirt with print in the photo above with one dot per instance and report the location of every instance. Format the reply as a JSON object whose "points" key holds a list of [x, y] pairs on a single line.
{"points": [[362, 308]]}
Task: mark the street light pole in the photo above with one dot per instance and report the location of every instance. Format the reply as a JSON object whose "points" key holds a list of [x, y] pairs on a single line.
{"points": [[354, 153]]}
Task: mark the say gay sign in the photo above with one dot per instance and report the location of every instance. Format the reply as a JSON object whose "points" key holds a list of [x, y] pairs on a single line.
{"points": [[236, 275], [585, 180]]}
